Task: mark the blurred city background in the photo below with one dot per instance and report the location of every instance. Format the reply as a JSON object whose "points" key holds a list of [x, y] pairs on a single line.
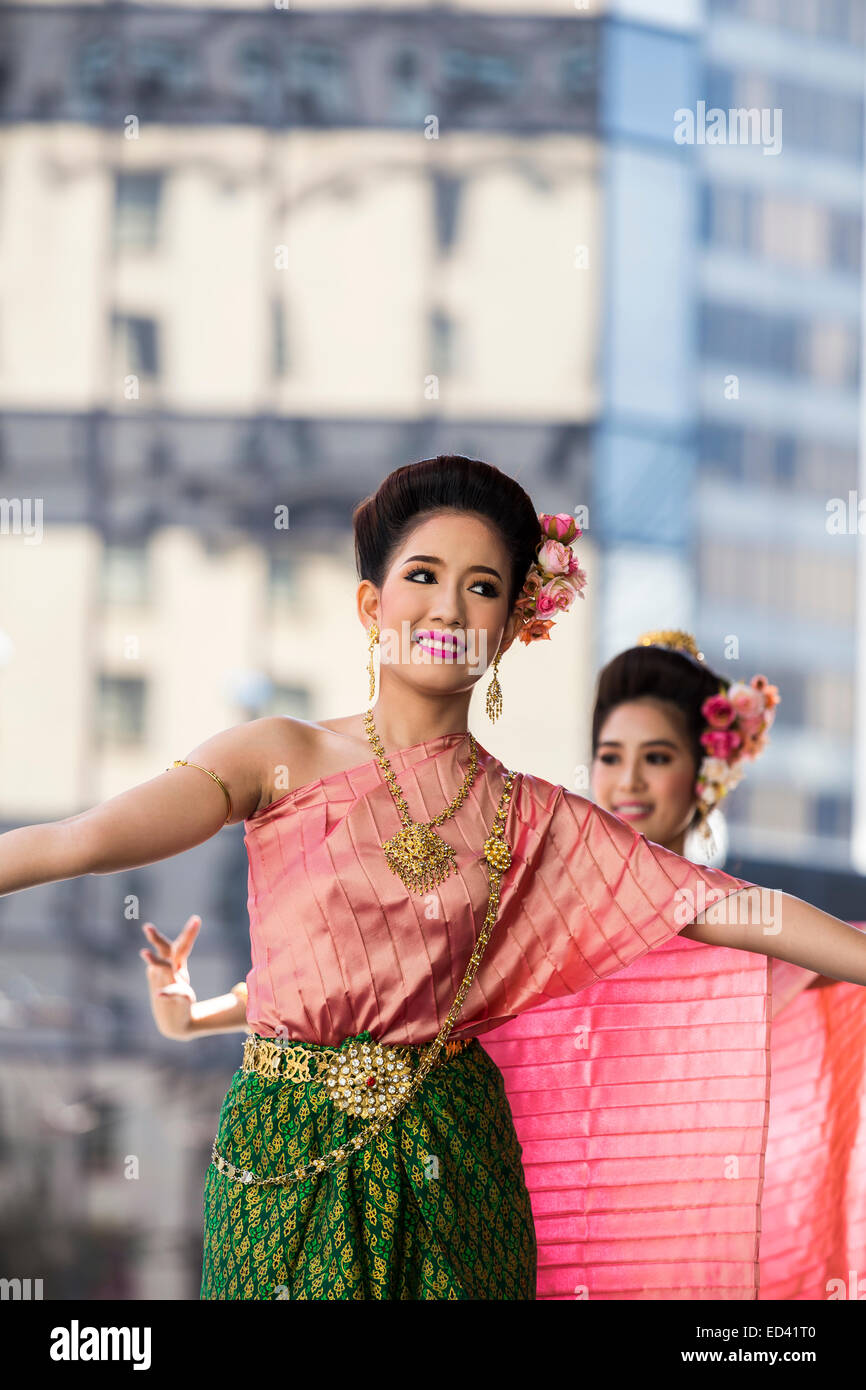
{"points": [[254, 257]]}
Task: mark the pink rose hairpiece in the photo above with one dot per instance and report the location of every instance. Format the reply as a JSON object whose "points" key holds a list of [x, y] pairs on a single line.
{"points": [[738, 719], [553, 578]]}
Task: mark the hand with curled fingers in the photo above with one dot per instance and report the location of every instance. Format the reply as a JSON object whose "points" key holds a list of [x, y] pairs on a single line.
{"points": [[171, 994]]}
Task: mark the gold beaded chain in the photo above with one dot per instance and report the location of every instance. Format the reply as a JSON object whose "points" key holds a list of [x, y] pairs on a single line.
{"points": [[497, 854], [420, 857]]}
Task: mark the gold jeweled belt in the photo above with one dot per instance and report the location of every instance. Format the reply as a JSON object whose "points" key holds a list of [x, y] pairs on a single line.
{"points": [[364, 1079], [368, 1079]]}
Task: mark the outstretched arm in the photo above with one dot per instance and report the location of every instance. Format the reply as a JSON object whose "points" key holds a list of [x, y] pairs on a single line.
{"points": [[155, 820], [779, 925]]}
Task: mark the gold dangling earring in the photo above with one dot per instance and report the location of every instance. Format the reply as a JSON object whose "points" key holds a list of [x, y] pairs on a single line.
{"points": [[705, 831], [493, 701], [374, 637]]}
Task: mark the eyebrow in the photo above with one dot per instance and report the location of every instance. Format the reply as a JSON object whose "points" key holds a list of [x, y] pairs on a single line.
{"points": [[615, 743], [436, 561]]}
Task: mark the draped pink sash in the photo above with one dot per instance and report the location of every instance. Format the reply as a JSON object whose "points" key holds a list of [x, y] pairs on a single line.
{"points": [[694, 1127]]}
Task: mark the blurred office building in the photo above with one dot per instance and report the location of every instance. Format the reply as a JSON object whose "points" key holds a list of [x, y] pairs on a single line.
{"points": [[252, 260]]}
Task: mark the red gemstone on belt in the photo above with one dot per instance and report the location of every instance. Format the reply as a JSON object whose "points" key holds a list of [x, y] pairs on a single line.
{"points": [[371, 1080]]}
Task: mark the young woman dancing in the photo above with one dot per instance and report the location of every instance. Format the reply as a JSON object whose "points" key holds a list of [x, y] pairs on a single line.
{"points": [[707, 1086], [366, 1148]]}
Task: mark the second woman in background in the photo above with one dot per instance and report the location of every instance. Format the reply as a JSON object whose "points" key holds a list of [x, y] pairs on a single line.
{"points": [[693, 1127]]}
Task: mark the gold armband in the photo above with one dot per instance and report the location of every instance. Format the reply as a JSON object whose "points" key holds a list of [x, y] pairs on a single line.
{"points": [[182, 762]]}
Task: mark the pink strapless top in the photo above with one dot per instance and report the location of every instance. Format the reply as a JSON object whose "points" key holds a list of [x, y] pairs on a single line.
{"points": [[340, 946]]}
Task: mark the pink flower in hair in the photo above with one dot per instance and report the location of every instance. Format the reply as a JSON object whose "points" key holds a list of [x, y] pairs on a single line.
{"points": [[561, 590], [545, 604], [559, 527], [751, 726], [738, 718], [721, 743], [718, 711], [746, 700], [553, 579], [555, 558]]}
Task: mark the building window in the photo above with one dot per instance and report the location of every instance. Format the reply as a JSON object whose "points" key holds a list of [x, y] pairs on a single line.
{"points": [[408, 98], [137, 199], [95, 66], [257, 67], [725, 214], [787, 230], [763, 459], [734, 333], [721, 450], [136, 347], [120, 711], [816, 119], [283, 580], [100, 1145], [719, 85], [316, 83], [829, 703], [773, 807], [826, 468], [844, 240], [278, 337], [447, 190], [843, 21], [477, 79], [125, 574], [784, 459], [809, 586], [441, 343], [831, 354], [827, 351], [162, 70], [791, 231], [579, 68], [832, 815]]}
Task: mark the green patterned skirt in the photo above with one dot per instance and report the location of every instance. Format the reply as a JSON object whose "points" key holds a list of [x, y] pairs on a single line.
{"points": [[435, 1206]]}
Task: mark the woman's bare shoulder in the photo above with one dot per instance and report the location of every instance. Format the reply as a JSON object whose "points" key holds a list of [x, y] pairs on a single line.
{"points": [[240, 756], [300, 751]]}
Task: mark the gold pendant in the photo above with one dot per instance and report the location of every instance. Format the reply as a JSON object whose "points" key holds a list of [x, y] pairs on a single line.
{"points": [[497, 852], [420, 857]]}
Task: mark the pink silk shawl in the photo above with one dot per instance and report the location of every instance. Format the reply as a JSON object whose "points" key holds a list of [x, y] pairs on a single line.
{"points": [[695, 1128]]}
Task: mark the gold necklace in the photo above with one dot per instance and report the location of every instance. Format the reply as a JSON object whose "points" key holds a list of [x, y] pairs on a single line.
{"points": [[420, 857]]}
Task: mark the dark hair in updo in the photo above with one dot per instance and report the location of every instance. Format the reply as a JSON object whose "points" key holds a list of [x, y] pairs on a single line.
{"points": [[412, 493], [665, 675]]}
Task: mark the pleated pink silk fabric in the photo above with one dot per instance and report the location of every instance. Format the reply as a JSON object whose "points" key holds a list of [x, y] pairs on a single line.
{"points": [[340, 946], [695, 1128]]}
